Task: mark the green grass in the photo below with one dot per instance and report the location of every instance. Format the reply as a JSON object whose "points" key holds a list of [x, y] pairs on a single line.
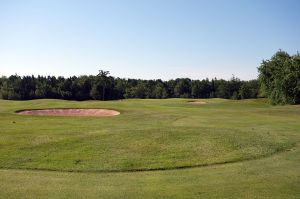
{"points": [[229, 149]]}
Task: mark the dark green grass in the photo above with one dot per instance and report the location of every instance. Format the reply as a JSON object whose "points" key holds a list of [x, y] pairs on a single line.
{"points": [[149, 135]]}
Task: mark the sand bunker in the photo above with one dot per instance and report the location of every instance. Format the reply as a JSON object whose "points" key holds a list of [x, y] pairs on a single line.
{"points": [[70, 112], [197, 102]]}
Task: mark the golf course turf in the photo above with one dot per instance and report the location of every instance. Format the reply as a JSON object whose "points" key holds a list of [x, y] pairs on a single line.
{"points": [[168, 148]]}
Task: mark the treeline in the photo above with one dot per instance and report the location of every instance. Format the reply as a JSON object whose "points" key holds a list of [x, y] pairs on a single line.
{"points": [[105, 87], [279, 81]]}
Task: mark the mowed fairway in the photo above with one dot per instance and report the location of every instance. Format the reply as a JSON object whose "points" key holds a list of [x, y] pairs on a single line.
{"points": [[154, 149]]}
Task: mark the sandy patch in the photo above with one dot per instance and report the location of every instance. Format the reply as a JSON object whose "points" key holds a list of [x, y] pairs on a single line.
{"points": [[70, 112], [197, 102]]}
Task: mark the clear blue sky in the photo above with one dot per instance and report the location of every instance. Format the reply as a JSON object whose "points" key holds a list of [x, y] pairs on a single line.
{"points": [[145, 39]]}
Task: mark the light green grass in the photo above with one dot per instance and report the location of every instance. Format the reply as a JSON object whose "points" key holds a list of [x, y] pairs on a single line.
{"points": [[235, 148]]}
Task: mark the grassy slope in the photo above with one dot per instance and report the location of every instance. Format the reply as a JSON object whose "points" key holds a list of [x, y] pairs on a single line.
{"points": [[152, 134]]}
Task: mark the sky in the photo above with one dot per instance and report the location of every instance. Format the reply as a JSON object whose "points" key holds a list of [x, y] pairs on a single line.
{"points": [[148, 39]]}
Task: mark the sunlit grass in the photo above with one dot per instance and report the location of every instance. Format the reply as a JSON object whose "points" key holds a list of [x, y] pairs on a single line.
{"points": [[149, 135]]}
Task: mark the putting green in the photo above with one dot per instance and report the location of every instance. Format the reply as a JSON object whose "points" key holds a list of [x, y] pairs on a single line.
{"points": [[148, 135]]}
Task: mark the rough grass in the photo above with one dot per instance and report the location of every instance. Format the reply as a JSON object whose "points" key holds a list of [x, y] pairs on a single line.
{"points": [[151, 135]]}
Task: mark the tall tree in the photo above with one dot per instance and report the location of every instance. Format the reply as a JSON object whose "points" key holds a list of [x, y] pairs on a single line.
{"points": [[279, 78], [103, 81]]}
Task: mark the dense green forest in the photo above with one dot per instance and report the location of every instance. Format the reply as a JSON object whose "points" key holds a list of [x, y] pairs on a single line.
{"points": [[105, 87], [279, 80]]}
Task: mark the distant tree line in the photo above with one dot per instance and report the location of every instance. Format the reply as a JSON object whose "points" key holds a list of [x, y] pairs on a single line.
{"points": [[105, 87], [279, 78]]}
